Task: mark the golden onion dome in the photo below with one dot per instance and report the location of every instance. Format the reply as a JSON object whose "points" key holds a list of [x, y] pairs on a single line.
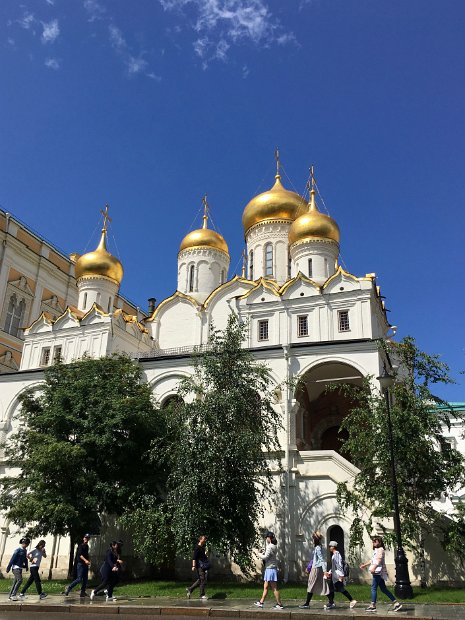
{"points": [[99, 263], [278, 203], [313, 225], [204, 238]]}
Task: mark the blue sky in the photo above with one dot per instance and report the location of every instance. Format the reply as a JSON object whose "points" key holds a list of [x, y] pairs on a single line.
{"points": [[148, 104]]}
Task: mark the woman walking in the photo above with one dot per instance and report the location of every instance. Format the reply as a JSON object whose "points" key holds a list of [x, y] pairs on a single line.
{"points": [[270, 578], [200, 565], [336, 578], [17, 563], [316, 579], [377, 567], [109, 572], [35, 557]]}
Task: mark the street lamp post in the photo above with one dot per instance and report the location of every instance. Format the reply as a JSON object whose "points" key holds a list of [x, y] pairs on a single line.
{"points": [[403, 589]]}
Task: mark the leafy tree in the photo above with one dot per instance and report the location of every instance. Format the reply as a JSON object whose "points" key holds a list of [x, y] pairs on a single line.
{"points": [[81, 447], [427, 467], [224, 435]]}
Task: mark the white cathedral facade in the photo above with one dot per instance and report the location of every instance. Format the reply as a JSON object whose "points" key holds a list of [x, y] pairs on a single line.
{"points": [[309, 320]]}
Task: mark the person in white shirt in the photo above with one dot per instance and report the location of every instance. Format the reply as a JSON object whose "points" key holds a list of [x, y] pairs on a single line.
{"points": [[377, 567], [35, 557]]}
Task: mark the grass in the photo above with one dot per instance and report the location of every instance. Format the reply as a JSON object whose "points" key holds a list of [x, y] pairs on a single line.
{"points": [[251, 591]]}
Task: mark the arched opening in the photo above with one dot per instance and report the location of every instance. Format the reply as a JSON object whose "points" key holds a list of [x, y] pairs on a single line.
{"points": [[171, 401], [191, 278], [321, 412], [336, 533], [268, 259]]}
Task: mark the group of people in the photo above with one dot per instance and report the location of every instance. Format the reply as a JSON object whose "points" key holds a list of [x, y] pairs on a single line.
{"points": [[110, 570], [327, 581]]}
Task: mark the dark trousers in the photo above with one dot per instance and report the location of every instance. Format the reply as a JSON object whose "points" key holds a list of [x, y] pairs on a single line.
{"points": [[108, 584], [337, 587], [18, 573], [34, 576], [200, 581], [82, 575]]}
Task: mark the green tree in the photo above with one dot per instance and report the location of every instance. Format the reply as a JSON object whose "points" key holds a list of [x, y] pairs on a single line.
{"points": [[81, 446], [224, 437], [427, 466]]}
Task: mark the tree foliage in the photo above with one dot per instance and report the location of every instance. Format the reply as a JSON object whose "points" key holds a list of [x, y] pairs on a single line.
{"points": [[81, 446], [223, 432], [427, 467]]}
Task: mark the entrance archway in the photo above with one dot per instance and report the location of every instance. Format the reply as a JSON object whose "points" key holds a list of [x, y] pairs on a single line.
{"points": [[336, 533]]}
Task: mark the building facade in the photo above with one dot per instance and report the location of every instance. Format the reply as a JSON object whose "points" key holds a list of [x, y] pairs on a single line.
{"points": [[310, 320]]}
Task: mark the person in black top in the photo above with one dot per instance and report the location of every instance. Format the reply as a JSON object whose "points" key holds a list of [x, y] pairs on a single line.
{"points": [[110, 571], [200, 564], [81, 567]]}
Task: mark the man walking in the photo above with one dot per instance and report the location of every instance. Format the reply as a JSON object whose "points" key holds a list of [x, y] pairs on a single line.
{"points": [[81, 565]]}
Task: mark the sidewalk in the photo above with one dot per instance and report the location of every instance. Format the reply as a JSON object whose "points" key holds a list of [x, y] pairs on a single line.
{"points": [[224, 608]]}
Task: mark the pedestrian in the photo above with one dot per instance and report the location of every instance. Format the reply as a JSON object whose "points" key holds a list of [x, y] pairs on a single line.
{"points": [[200, 566], [81, 567], [35, 557], [109, 571], [377, 567], [17, 563], [316, 581], [270, 577], [336, 578]]}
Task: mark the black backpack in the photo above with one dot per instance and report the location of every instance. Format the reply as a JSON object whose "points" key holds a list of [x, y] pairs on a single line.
{"points": [[346, 569]]}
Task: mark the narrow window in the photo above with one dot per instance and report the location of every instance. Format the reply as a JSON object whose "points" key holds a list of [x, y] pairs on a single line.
{"points": [[310, 268], [223, 276], [302, 325], [263, 330], [343, 319], [268, 259], [326, 268], [191, 278], [45, 356], [85, 300], [251, 265], [57, 354], [289, 264], [109, 305], [16, 318], [10, 313]]}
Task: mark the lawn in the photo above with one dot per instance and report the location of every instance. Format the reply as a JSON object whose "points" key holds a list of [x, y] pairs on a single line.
{"points": [[231, 590]]}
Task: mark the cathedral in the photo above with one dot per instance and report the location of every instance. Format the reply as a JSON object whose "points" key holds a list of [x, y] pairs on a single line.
{"points": [[309, 319]]}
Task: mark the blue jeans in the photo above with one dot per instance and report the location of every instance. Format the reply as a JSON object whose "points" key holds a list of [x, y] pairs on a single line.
{"points": [[82, 576], [378, 582]]}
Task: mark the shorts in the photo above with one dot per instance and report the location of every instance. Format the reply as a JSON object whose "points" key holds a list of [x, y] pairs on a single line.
{"points": [[271, 574]]}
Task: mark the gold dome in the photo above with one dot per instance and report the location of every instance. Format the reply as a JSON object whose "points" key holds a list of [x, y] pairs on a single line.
{"points": [[277, 203], [313, 225], [99, 263], [204, 238]]}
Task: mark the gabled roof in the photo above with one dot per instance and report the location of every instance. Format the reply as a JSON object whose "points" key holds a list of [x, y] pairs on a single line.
{"points": [[176, 295]]}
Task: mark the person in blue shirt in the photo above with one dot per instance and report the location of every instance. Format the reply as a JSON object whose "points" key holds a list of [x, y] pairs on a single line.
{"points": [[316, 581], [17, 563]]}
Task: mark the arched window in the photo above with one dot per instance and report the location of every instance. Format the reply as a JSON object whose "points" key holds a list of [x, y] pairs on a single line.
{"points": [[191, 278], [9, 313], [336, 533], [268, 259], [223, 276], [109, 305], [251, 265], [289, 265], [85, 300], [14, 315]]}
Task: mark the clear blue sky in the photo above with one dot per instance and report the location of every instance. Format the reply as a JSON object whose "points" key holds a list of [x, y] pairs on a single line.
{"points": [[149, 104]]}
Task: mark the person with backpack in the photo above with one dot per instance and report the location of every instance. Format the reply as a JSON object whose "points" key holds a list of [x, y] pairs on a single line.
{"points": [[17, 563], [270, 577], [200, 565], [35, 557], [81, 566], [377, 567], [337, 577]]}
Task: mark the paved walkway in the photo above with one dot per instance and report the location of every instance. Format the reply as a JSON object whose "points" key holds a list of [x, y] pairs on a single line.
{"points": [[217, 608]]}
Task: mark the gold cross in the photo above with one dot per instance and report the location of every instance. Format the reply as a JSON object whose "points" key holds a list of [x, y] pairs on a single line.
{"points": [[312, 176], [106, 217], [278, 161]]}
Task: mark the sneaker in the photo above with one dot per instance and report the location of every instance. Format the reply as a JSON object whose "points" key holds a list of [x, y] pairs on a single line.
{"points": [[371, 608], [21, 595], [304, 606], [204, 598], [188, 593], [110, 598], [13, 598], [278, 606], [105, 592], [65, 592], [330, 606], [397, 606], [352, 603], [43, 595], [258, 604], [92, 594]]}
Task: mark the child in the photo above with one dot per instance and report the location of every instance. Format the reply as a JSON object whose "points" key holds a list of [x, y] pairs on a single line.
{"points": [[35, 556], [17, 563]]}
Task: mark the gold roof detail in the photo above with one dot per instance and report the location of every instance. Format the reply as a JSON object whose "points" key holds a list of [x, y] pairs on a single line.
{"points": [[100, 262], [204, 237], [313, 224], [278, 203]]}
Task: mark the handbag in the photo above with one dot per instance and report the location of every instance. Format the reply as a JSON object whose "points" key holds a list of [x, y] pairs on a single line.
{"points": [[309, 566], [204, 564]]}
